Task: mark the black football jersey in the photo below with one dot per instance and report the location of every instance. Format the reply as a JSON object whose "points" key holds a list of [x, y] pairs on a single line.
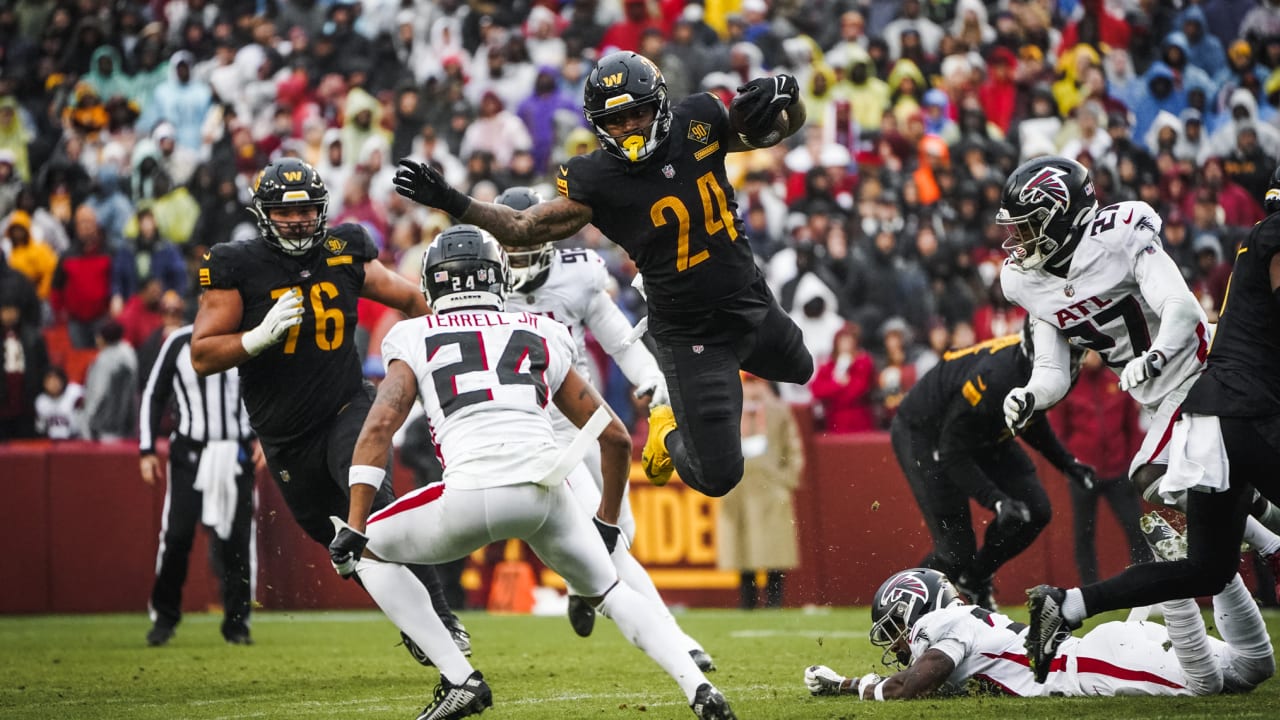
{"points": [[1242, 375], [677, 218], [960, 401], [303, 381]]}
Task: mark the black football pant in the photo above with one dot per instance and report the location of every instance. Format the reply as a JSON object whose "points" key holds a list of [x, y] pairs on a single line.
{"points": [[1215, 527], [311, 473], [1122, 496], [945, 506], [706, 396], [231, 559]]}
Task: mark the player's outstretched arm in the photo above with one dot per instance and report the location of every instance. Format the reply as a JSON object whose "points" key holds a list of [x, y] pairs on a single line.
{"points": [[393, 290], [925, 676], [395, 399], [549, 221], [578, 400]]}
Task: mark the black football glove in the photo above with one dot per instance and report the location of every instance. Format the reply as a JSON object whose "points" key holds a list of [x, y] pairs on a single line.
{"points": [[1010, 510], [1019, 404], [609, 533], [1084, 476], [422, 184], [346, 548], [761, 100]]}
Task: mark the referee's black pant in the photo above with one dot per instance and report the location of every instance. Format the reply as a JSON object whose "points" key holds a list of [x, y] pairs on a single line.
{"points": [[945, 506], [706, 396], [231, 558]]}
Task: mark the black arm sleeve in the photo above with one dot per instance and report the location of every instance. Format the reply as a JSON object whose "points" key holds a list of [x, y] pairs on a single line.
{"points": [[956, 444], [1040, 436]]}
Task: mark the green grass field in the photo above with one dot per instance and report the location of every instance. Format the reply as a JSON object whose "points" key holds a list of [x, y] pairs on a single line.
{"points": [[345, 664]]}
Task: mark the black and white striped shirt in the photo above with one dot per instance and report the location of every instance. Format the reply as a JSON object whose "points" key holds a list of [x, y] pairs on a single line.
{"points": [[209, 408]]}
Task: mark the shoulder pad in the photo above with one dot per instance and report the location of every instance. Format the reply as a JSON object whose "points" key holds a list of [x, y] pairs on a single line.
{"points": [[221, 264], [350, 239]]}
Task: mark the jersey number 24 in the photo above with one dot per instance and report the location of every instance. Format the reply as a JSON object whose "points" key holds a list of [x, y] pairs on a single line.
{"points": [[473, 358]]}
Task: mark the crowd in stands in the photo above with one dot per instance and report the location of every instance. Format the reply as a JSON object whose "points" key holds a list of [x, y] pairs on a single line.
{"points": [[130, 132]]}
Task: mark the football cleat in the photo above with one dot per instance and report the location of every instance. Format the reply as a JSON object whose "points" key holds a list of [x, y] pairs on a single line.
{"points": [[160, 635], [982, 594], [1166, 543], [702, 660], [1048, 628], [709, 704], [459, 701], [655, 459], [582, 617]]}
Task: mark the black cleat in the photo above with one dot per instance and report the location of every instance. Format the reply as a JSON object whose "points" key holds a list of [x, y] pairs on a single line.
{"points": [[160, 635], [459, 701], [702, 660], [239, 638], [1049, 628], [582, 617], [982, 594], [709, 704], [461, 638]]}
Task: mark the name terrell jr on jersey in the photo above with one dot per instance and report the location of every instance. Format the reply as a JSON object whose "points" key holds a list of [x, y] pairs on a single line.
{"points": [[676, 217], [308, 377]]}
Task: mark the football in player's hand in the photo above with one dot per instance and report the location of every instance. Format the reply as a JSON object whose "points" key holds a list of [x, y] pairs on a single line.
{"points": [[754, 138]]}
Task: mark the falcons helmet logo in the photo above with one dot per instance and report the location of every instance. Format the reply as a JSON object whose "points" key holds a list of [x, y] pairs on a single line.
{"points": [[904, 588], [1048, 185]]}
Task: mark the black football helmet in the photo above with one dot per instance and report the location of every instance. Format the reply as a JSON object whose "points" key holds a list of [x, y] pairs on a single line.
{"points": [[529, 265], [1272, 199], [900, 602], [464, 267], [1046, 205], [290, 183], [623, 81]]}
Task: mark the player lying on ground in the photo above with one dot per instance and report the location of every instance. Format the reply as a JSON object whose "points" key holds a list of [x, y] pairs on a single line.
{"points": [[948, 647]]}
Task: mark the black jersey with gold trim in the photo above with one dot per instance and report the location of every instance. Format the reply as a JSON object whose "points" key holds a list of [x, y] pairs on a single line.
{"points": [[961, 399], [305, 379], [1242, 374], [676, 216]]}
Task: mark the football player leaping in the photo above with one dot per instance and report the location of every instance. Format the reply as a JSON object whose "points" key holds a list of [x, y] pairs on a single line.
{"points": [[571, 286], [1099, 279], [944, 646], [658, 188]]}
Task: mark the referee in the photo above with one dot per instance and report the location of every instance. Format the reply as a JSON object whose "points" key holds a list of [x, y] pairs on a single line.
{"points": [[211, 473]]}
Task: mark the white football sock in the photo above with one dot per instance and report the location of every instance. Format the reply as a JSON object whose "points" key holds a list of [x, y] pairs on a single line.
{"points": [[1073, 609], [631, 572], [1191, 645], [405, 601], [641, 624], [1263, 541], [1248, 645]]}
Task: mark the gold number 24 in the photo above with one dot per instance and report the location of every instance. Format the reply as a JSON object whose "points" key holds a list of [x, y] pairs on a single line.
{"points": [[716, 219], [330, 322]]}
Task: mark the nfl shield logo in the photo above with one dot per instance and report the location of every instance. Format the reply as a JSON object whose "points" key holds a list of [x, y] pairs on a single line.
{"points": [[1069, 290], [697, 349], [304, 274], [668, 171]]}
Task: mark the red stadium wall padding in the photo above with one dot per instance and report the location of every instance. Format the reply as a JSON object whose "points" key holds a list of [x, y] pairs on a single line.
{"points": [[88, 527], [24, 527]]}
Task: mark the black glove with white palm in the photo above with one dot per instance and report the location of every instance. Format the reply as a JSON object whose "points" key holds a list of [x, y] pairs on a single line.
{"points": [[1011, 510], [760, 101], [822, 680], [1082, 474], [423, 184], [347, 547]]}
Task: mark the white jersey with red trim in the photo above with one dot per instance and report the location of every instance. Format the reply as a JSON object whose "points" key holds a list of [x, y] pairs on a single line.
{"points": [[1110, 299], [481, 370], [1115, 658], [576, 276], [985, 646]]}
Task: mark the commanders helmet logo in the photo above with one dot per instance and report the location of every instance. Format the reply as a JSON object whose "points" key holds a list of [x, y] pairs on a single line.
{"points": [[1049, 185]]}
